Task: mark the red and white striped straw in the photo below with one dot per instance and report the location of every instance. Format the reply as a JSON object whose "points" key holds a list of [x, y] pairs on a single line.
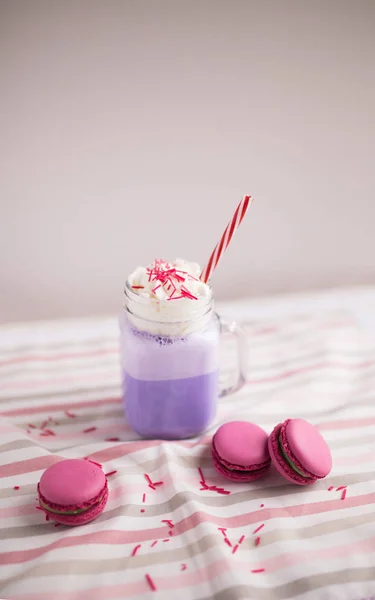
{"points": [[225, 239]]}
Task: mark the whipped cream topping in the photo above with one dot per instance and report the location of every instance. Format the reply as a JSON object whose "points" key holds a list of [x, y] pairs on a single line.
{"points": [[167, 293]]}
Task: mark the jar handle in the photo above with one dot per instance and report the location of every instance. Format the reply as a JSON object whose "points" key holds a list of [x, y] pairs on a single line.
{"points": [[242, 354]]}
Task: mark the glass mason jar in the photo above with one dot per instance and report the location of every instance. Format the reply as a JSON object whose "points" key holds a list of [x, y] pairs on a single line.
{"points": [[170, 368]]}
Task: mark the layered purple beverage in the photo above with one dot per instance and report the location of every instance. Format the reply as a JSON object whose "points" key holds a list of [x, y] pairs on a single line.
{"points": [[170, 351]]}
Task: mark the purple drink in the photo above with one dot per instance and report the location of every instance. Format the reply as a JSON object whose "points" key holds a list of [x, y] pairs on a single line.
{"points": [[170, 338], [170, 384]]}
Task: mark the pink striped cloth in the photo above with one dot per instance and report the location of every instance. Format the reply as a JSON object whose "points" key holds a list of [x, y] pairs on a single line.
{"points": [[60, 398]]}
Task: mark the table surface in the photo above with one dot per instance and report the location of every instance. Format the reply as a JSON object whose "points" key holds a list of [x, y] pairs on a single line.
{"points": [[310, 356]]}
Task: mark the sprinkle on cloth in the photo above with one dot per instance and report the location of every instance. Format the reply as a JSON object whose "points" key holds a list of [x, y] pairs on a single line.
{"points": [[112, 439], [142, 510], [343, 495], [110, 473], [135, 549], [150, 582], [144, 498], [183, 567], [257, 570], [16, 487], [70, 414], [257, 541], [235, 549], [227, 541], [154, 543], [241, 539], [258, 528], [342, 487], [89, 429], [331, 488], [262, 506], [212, 488], [168, 522]]}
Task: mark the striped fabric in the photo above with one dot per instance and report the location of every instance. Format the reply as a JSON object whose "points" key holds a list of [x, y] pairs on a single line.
{"points": [[263, 541]]}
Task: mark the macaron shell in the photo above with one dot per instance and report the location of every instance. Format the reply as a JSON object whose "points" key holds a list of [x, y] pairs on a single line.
{"points": [[241, 444], [82, 518], [72, 482], [280, 463], [237, 474], [307, 447]]}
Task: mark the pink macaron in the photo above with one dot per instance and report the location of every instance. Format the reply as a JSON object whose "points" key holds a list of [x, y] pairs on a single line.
{"points": [[73, 492], [299, 452], [240, 451]]}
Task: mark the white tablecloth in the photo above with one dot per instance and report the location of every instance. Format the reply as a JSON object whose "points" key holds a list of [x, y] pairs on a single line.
{"points": [[311, 356]]}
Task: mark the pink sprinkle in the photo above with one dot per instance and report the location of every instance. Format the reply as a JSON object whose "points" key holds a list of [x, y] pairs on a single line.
{"points": [[112, 439], [16, 487], [70, 414], [148, 479], [235, 549], [241, 539], [156, 288], [331, 488], [224, 492], [227, 542], [166, 540], [154, 543], [28, 431], [223, 531], [258, 528], [138, 287], [168, 522], [343, 495], [202, 481], [183, 567], [110, 473], [135, 549], [89, 429], [44, 424], [257, 541], [144, 498], [47, 517], [257, 570], [342, 487], [262, 506], [170, 532], [150, 485], [56, 524], [150, 582], [143, 510], [31, 426], [38, 507], [157, 482], [50, 432]]}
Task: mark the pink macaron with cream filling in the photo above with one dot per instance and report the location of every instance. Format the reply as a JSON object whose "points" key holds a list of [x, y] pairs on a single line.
{"points": [[240, 451], [73, 492], [299, 452]]}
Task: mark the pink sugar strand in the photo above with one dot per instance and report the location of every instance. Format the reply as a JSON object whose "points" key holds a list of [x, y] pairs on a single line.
{"points": [[110, 473], [70, 414], [95, 463], [331, 488], [226, 238], [166, 540], [342, 487], [262, 505], [343, 495], [170, 532], [258, 528], [144, 498], [31, 426], [168, 522], [257, 570], [150, 485], [154, 543], [227, 541], [89, 429], [158, 483], [150, 582], [241, 539], [148, 479], [142, 510], [112, 439], [183, 567], [235, 549], [16, 487], [203, 481], [257, 541], [135, 549]]}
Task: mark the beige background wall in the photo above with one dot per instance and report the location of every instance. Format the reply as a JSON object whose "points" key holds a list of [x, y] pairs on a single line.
{"points": [[133, 128]]}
